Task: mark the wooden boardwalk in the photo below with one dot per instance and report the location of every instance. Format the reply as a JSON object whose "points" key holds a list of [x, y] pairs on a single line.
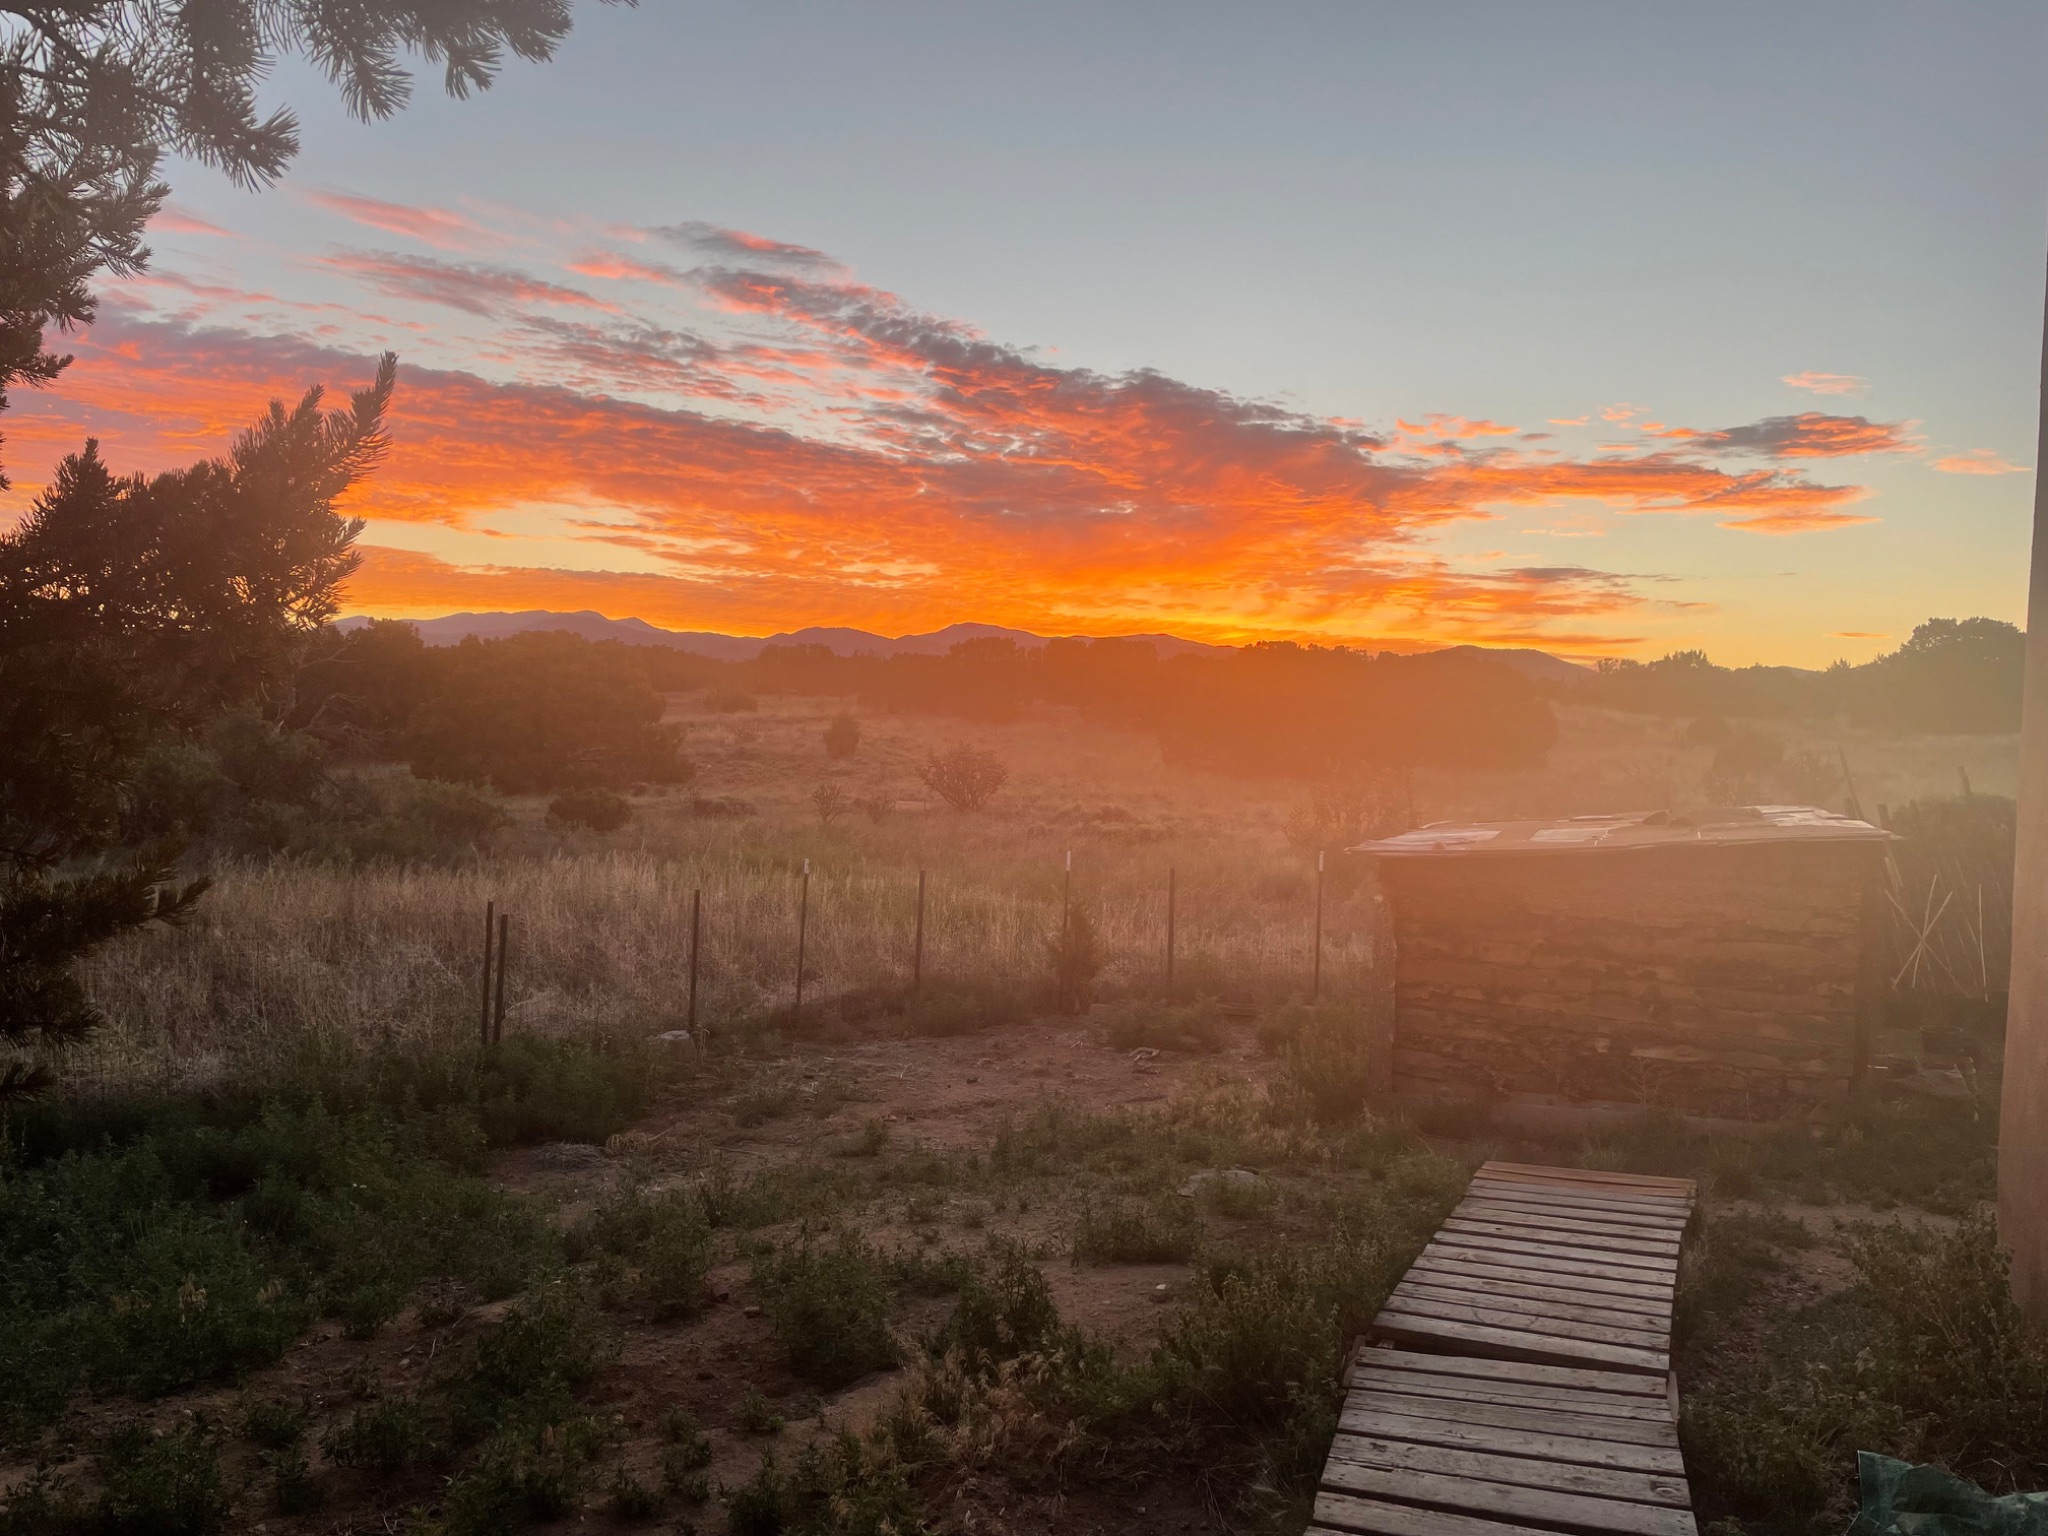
{"points": [[1530, 1390]]}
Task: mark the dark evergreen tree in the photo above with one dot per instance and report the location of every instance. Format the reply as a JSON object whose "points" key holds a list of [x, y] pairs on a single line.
{"points": [[93, 92], [132, 607]]}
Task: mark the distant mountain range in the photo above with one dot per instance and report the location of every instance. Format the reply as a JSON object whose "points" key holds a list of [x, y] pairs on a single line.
{"points": [[456, 627]]}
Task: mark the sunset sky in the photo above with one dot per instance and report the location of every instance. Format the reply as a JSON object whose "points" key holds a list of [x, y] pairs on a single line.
{"points": [[1609, 329]]}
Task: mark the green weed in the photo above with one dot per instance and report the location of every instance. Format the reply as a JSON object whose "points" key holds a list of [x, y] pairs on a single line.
{"points": [[1127, 1232], [830, 1307]]}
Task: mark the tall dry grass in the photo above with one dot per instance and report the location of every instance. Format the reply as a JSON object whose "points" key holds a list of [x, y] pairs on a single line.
{"points": [[285, 955]]}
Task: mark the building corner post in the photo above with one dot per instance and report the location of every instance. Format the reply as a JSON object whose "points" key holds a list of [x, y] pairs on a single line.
{"points": [[2023, 1113]]}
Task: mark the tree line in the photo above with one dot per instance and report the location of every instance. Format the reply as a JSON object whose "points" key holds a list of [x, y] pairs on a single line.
{"points": [[1950, 677]]}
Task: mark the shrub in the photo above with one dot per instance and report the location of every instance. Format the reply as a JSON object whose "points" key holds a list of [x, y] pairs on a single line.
{"points": [[384, 1436], [1126, 1232], [546, 1348], [1077, 959], [830, 1308], [1195, 1027], [842, 737], [831, 802], [161, 1485], [1962, 1357], [1005, 1311], [599, 810], [730, 701], [664, 1235], [756, 1415], [273, 1425], [1328, 1051], [965, 777]]}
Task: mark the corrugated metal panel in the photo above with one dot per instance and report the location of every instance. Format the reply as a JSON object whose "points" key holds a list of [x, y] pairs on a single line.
{"points": [[1729, 826]]}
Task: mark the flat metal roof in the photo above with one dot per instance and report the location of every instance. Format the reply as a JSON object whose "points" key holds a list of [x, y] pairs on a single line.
{"points": [[1727, 826]]}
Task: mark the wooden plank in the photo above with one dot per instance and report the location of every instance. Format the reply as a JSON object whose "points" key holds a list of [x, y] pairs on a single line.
{"points": [[1516, 1471], [1537, 1418], [1530, 1373], [1427, 1287], [1606, 1239], [1531, 1505], [1655, 1206], [1634, 1221], [1606, 1261], [1469, 1435], [1465, 1392], [1535, 1271], [1336, 1512], [1517, 1343], [1622, 1199], [1422, 1304], [1685, 1188], [1452, 1277], [1625, 1221]]}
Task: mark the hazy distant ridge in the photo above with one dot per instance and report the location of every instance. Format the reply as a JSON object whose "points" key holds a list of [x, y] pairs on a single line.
{"points": [[455, 627]]}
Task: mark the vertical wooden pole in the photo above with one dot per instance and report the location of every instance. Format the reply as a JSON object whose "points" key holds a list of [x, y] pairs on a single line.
{"points": [[1169, 933], [696, 936], [483, 1026], [917, 944], [504, 953], [2023, 1114], [1315, 988], [803, 918]]}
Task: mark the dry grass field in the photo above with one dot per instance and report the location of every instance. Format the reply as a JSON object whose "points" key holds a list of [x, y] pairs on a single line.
{"points": [[286, 952]]}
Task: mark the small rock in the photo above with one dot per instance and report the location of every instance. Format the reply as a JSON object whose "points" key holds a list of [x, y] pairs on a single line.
{"points": [[569, 1157], [674, 1037], [972, 1078], [1162, 1292], [750, 1311]]}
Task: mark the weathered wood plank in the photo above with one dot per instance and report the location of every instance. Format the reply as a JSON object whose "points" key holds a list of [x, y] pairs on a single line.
{"points": [[1601, 1212], [1464, 1391], [1575, 1234], [1687, 1188], [1500, 1283], [1620, 1215], [1517, 1471], [1569, 1378], [1467, 1236], [1509, 1502], [1429, 1287], [1581, 1195], [1537, 1271], [1538, 1418], [1518, 1343], [1419, 1303], [1470, 1435], [1340, 1512]]}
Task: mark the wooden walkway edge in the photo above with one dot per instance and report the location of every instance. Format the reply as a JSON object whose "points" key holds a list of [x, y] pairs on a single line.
{"points": [[1521, 1380]]}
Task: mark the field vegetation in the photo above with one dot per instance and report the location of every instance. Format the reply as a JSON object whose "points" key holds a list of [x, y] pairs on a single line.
{"points": [[289, 1246]]}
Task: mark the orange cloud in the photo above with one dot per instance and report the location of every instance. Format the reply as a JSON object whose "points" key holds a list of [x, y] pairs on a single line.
{"points": [[173, 220], [605, 264], [471, 286], [439, 227], [1977, 461], [1809, 435], [871, 464], [1825, 383]]}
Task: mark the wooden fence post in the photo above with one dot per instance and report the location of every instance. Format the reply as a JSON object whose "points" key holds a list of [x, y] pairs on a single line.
{"points": [[504, 952], [803, 917], [917, 945], [1169, 934], [696, 933], [1315, 989]]}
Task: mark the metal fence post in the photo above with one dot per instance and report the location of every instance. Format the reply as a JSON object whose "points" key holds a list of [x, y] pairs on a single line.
{"points": [[483, 1027], [696, 932], [803, 917], [1315, 991], [1169, 933], [504, 953], [917, 945]]}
